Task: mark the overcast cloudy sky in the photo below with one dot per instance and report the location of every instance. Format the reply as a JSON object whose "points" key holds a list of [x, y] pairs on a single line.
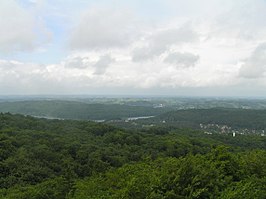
{"points": [[168, 47]]}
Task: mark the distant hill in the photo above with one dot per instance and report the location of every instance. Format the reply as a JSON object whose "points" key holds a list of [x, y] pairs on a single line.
{"points": [[78, 110], [236, 118]]}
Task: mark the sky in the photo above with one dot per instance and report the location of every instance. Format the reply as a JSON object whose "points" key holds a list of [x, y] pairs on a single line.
{"points": [[133, 47]]}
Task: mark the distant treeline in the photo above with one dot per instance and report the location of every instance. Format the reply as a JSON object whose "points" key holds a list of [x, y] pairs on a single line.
{"points": [[165, 116], [235, 118], [78, 110]]}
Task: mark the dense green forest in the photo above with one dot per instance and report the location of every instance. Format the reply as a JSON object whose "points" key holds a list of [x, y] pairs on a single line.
{"points": [[78, 110], [41, 158]]}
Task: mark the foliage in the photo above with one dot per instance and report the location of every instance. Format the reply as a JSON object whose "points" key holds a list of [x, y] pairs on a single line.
{"points": [[218, 174], [79, 110], [42, 158], [236, 118]]}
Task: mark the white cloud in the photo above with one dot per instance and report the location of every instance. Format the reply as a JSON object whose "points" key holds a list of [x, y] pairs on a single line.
{"points": [[161, 40], [19, 30], [189, 45], [6, 65], [103, 27], [242, 19], [183, 34], [255, 65], [105, 72]]}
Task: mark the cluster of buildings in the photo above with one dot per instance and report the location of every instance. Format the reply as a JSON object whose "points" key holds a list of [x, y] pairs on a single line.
{"points": [[225, 129]]}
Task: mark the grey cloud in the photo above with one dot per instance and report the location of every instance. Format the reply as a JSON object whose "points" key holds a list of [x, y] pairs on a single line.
{"points": [[102, 64], [76, 62], [146, 53], [103, 28], [183, 60], [159, 42], [255, 65], [99, 66]]}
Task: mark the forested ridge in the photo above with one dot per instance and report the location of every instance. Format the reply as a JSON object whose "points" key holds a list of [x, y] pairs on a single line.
{"points": [[78, 110], [235, 118], [41, 158]]}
